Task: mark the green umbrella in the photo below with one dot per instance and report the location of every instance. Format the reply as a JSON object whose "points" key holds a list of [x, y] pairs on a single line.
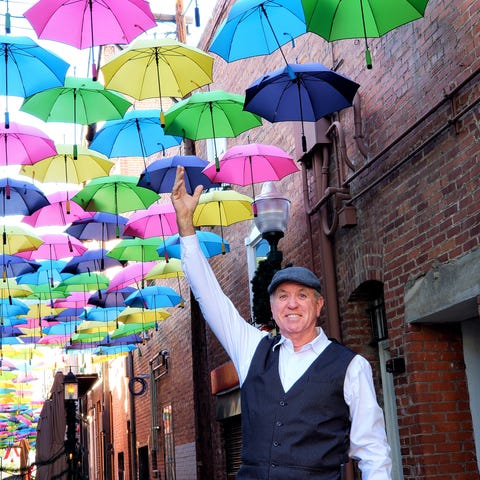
{"points": [[79, 101], [215, 114], [138, 249], [114, 194], [127, 329], [84, 282], [342, 19]]}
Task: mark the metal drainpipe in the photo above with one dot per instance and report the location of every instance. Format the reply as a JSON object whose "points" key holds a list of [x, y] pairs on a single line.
{"points": [[133, 428]]}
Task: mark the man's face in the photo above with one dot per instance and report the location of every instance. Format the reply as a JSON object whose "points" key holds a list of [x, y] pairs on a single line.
{"points": [[296, 308]]}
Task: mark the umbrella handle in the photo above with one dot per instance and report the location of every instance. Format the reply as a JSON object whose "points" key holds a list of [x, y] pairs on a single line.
{"points": [[368, 58]]}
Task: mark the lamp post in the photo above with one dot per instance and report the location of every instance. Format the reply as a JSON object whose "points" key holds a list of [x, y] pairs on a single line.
{"points": [[70, 386], [272, 211]]}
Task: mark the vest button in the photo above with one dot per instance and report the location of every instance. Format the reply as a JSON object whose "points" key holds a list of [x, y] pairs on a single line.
{"points": [[282, 403], [273, 465], [278, 424], [276, 444]]}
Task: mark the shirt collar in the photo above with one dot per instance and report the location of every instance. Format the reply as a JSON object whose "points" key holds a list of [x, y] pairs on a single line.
{"points": [[318, 344]]}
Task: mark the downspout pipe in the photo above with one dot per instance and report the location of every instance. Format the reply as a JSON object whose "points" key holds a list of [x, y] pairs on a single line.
{"points": [[133, 421]]}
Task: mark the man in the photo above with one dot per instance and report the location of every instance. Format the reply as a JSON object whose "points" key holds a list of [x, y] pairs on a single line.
{"points": [[308, 403]]}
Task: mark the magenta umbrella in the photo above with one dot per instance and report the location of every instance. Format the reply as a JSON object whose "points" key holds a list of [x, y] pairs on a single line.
{"points": [[130, 275], [157, 219], [251, 163], [55, 246], [61, 211], [24, 145], [87, 23]]}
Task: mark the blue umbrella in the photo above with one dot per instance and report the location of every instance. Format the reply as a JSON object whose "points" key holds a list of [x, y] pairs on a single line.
{"points": [[154, 296], [19, 197], [16, 307], [49, 272], [101, 314], [159, 176], [138, 134], [102, 226], [313, 93], [90, 261], [26, 68], [258, 27], [12, 265], [210, 243], [110, 299]]}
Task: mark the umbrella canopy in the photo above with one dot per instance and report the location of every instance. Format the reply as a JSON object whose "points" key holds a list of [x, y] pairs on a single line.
{"points": [[115, 299], [17, 239], [115, 194], [156, 68], [214, 114], [55, 246], [258, 27], [90, 261], [101, 226], [13, 265], [211, 244], [69, 164], [130, 275], [137, 249], [251, 163], [157, 218], [23, 144], [165, 269], [86, 23], [138, 134], [19, 197], [340, 19], [159, 176], [155, 296], [125, 330], [140, 315], [314, 92], [84, 282], [60, 211]]}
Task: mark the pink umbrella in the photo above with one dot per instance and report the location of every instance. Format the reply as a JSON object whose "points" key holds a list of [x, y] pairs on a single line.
{"points": [[86, 23], [55, 246], [60, 211], [251, 163], [158, 218], [74, 300], [130, 275], [24, 145]]}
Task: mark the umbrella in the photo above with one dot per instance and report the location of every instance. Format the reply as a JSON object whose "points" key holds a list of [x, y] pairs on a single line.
{"points": [[110, 299], [157, 218], [49, 272], [90, 261], [101, 226], [159, 176], [129, 275], [114, 194], [211, 244], [19, 197], [137, 134], [251, 163], [153, 297], [13, 265], [341, 19], [138, 249], [55, 246], [17, 239], [258, 27], [24, 144], [156, 68], [86, 23], [21, 57], [79, 100], [214, 114], [133, 328], [83, 282], [60, 211], [165, 269], [316, 91], [70, 164], [141, 315]]}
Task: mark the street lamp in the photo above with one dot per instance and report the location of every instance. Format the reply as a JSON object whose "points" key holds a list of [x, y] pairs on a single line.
{"points": [[70, 386], [70, 389]]}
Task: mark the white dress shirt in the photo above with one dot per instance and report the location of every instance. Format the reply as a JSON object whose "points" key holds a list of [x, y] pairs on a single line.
{"points": [[368, 442]]}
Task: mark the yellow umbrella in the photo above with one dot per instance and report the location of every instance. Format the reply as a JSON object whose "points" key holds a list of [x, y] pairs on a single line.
{"points": [[142, 316], [156, 68], [18, 239], [94, 326], [10, 288], [71, 164], [164, 269]]}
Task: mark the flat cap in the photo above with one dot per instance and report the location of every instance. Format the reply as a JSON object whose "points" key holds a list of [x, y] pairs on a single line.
{"points": [[300, 275]]}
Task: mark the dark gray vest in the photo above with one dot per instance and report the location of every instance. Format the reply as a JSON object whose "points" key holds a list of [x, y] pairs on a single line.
{"points": [[301, 434]]}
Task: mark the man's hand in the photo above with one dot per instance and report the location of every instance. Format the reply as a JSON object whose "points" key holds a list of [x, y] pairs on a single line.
{"points": [[184, 203]]}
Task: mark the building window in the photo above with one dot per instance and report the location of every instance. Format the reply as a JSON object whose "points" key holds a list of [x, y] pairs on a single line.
{"points": [[167, 420]]}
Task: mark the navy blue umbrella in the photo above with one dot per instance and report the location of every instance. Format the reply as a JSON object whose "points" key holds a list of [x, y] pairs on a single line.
{"points": [[12, 265], [102, 226], [90, 261], [314, 92], [19, 197], [111, 299]]}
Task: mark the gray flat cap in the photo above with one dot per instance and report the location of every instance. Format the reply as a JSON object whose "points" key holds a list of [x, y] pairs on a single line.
{"points": [[300, 275]]}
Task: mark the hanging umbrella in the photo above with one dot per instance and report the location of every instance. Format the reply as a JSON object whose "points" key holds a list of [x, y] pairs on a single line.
{"points": [[55, 246], [17, 239], [13, 265], [19, 58], [23, 144], [165, 269], [211, 244], [215, 114], [84, 282], [342, 19], [87, 23], [124, 330], [258, 27], [49, 272], [315, 91], [60, 211], [155, 296], [142, 315], [130, 275], [136, 249], [10, 289], [91, 261], [156, 68], [19, 197], [7, 309], [115, 299], [251, 163], [101, 314], [159, 176], [63, 167], [157, 218], [137, 134], [101, 226], [78, 101]]}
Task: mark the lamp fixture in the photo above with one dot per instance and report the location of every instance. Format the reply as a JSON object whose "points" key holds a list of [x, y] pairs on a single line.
{"points": [[70, 386]]}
